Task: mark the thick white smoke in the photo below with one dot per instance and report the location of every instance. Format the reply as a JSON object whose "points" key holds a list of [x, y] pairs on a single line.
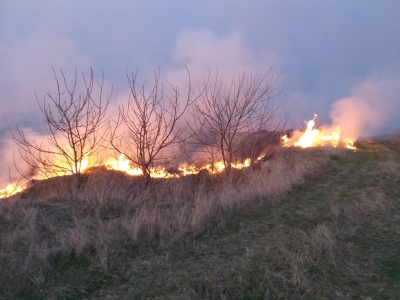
{"points": [[372, 104]]}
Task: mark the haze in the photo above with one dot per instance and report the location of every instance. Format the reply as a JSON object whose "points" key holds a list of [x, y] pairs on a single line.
{"points": [[325, 52]]}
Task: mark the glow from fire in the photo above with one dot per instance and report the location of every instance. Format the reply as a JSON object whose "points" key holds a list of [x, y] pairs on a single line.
{"points": [[123, 164], [13, 188], [313, 137], [10, 190], [82, 165]]}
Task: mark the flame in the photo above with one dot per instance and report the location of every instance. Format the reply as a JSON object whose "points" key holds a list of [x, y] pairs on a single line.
{"points": [[123, 164], [245, 164], [161, 173], [82, 165], [10, 190], [189, 169], [349, 144], [285, 140], [313, 137], [13, 188]]}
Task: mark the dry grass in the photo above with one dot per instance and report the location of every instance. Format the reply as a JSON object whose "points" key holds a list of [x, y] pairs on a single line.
{"points": [[334, 236], [113, 212], [387, 167]]}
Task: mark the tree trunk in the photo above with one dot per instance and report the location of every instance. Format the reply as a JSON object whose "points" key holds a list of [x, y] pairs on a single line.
{"points": [[146, 174], [229, 164]]}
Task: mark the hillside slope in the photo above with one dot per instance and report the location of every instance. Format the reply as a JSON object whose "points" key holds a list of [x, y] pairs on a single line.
{"points": [[334, 236]]}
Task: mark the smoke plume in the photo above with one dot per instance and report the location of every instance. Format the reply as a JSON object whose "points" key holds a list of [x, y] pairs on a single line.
{"points": [[372, 104]]}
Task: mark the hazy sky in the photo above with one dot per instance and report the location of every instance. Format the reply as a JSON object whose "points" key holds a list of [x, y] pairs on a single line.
{"points": [[324, 51]]}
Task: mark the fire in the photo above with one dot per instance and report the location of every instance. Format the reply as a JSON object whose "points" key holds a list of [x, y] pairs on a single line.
{"points": [[123, 164], [313, 137], [82, 165], [13, 188], [349, 144], [245, 164], [10, 190]]}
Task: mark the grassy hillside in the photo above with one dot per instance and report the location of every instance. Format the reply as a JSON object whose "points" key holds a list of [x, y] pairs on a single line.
{"points": [[312, 224]]}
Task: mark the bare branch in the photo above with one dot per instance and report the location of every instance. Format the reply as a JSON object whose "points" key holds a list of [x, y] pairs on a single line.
{"points": [[152, 121], [225, 117], [75, 126]]}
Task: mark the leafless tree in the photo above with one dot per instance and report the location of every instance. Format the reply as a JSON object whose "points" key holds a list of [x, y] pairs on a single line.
{"points": [[226, 117], [151, 120], [75, 124]]}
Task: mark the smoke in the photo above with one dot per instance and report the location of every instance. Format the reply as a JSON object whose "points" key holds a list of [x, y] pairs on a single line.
{"points": [[202, 50], [9, 153], [208, 56], [29, 65], [211, 57], [198, 56], [372, 108]]}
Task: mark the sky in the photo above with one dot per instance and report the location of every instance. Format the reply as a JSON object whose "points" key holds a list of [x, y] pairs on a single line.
{"points": [[339, 59]]}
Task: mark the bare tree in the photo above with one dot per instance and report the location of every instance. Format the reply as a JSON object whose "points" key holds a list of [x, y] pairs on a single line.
{"points": [[226, 117], [75, 124], [151, 120]]}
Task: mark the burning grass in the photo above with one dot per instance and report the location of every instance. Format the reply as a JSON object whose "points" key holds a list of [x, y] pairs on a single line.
{"points": [[266, 233], [312, 137], [113, 211]]}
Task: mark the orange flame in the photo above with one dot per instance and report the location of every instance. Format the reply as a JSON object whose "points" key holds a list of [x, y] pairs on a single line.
{"points": [[10, 190], [13, 188], [82, 165], [313, 137], [123, 164]]}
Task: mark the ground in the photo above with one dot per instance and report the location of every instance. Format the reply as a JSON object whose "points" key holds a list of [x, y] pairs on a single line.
{"points": [[336, 235]]}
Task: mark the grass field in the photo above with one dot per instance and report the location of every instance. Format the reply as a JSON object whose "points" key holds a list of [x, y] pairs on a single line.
{"points": [[310, 224]]}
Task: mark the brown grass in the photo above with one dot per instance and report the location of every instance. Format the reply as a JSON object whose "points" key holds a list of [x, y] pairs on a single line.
{"points": [[335, 236], [113, 212]]}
